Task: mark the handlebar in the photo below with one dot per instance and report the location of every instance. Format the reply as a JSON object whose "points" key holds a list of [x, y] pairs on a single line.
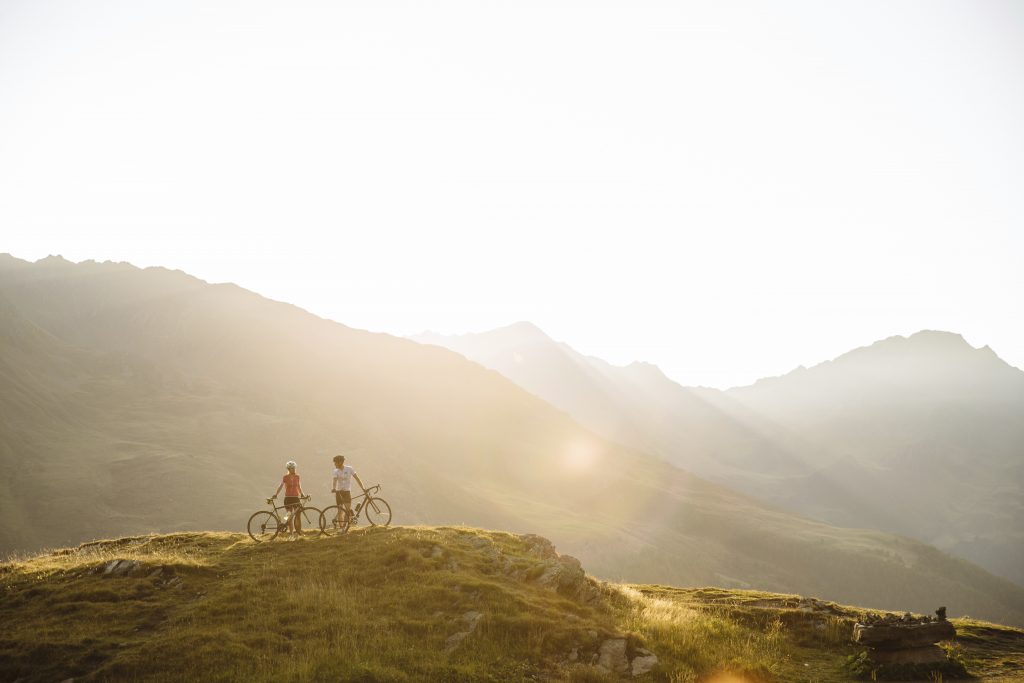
{"points": [[270, 501]]}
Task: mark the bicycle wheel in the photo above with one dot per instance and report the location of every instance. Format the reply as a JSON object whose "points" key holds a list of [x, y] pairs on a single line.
{"points": [[333, 521], [377, 511], [310, 520], [263, 526]]}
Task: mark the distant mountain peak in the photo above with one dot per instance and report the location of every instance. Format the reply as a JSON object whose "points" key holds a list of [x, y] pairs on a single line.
{"points": [[54, 260], [641, 367], [923, 342], [938, 337], [523, 328]]}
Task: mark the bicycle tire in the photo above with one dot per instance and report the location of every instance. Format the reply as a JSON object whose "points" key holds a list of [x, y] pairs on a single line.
{"points": [[310, 520], [377, 511], [333, 521], [263, 526]]}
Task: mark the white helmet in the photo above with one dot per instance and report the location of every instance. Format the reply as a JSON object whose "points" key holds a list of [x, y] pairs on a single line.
{"points": [[290, 465]]}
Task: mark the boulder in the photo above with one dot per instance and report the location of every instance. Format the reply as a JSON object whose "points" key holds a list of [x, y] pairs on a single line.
{"points": [[644, 661], [898, 636], [540, 546], [928, 654], [611, 656]]}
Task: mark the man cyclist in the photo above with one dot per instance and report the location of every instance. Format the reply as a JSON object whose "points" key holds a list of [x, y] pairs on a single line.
{"points": [[292, 485], [341, 484]]}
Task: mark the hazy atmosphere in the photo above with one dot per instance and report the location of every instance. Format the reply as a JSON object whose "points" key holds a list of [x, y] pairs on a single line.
{"points": [[511, 342], [724, 189]]}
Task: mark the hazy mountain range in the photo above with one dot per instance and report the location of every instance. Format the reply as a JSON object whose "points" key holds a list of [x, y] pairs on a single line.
{"points": [[148, 400], [922, 436]]}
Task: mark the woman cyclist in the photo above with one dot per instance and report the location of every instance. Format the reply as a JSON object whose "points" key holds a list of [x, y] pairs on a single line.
{"points": [[292, 486]]}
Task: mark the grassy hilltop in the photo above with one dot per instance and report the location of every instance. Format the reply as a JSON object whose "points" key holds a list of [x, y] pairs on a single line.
{"points": [[408, 603]]}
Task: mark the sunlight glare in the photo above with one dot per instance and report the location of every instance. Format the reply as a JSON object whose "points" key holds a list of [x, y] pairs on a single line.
{"points": [[580, 456]]}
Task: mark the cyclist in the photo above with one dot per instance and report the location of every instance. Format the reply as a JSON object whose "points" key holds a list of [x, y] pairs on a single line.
{"points": [[341, 484], [292, 485]]}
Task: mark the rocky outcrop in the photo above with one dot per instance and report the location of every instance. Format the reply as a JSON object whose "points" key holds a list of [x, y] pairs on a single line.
{"points": [[617, 656], [561, 573], [904, 644], [116, 568]]}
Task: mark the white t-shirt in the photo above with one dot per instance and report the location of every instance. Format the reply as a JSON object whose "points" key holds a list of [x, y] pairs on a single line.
{"points": [[343, 478]]}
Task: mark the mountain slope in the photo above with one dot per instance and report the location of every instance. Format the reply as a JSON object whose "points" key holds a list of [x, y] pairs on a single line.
{"points": [[146, 400], [922, 436], [408, 604], [698, 428], [932, 443]]}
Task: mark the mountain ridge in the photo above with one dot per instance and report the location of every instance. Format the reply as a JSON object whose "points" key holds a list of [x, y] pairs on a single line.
{"points": [[917, 435]]}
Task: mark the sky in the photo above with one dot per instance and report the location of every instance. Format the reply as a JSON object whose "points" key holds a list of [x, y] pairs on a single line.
{"points": [[726, 189]]}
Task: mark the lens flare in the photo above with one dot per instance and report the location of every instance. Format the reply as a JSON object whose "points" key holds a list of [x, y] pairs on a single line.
{"points": [[579, 456]]}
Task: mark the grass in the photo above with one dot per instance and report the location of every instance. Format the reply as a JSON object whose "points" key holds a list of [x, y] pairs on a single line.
{"points": [[385, 604]]}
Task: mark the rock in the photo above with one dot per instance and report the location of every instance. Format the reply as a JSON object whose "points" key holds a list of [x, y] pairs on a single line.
{"points": [[574, 654], [540, 547], [611, 656], [904, 640], [564, 574], [436, 551], [897, 636], [120, 567], [643, 662], [928, 654]]}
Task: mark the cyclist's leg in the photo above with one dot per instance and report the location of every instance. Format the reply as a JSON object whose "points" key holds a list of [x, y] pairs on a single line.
{"points": [[346, 503], [339, 501], [291, 504]]}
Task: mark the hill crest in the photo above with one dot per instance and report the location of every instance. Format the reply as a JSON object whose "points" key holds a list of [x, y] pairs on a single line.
{"points": [[407, 603]]}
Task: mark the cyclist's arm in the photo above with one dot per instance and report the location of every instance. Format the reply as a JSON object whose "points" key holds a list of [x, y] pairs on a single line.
{"points": [[278, 490], [359, 481], [334, 483]]}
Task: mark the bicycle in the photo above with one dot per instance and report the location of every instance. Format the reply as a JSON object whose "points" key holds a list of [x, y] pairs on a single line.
{"points": [[265, 526], [333, 519]]}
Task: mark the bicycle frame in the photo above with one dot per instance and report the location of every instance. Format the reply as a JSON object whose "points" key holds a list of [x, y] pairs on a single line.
{"points": [[282, 520], [358, 508]]}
